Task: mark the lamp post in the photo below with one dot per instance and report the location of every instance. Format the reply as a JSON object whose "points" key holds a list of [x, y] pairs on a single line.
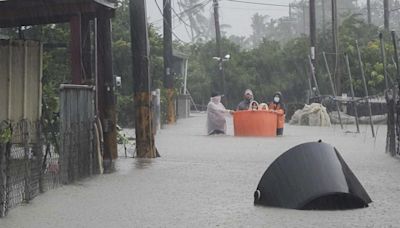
{"points": [[221, 69]]}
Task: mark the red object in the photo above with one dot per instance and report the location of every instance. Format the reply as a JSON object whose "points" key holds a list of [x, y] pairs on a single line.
{"points": [[255, 123], [280, 112]]}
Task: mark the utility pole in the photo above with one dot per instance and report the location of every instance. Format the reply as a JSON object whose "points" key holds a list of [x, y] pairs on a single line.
{"points": [[290, 19], [313, 39], [369, 11], [304, 17], [336, 73], [323, 20], [218, 42], [168, 74], [145, 146], [106, 99], [386, 14], [76, 49]]}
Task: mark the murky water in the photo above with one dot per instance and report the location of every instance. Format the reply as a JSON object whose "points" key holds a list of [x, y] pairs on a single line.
{"points": [[203, 181]]}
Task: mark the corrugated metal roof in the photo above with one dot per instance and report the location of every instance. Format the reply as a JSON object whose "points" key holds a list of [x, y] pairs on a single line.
{"points": [[179, 54], [32, 12], [108, 3]]}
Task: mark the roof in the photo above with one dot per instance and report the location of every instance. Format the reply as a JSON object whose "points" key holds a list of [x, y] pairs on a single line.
{"points": [[179, 55], [14, 13]]}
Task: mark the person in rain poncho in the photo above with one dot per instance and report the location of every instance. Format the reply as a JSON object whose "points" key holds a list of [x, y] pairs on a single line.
{"points": [[248, 98], [216, 112], [278, 106]]}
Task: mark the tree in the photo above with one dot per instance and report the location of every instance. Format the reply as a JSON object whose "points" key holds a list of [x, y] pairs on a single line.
{"points": [[193, 10], [258, 24]]}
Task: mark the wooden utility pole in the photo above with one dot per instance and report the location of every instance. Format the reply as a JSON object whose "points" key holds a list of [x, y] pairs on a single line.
{"points": [[369, 11], [304, 18], [145, 147], [107, 106], [313, 39], [323, 20], [168, 72], [218, 43], [76, 49], [86, 49], [386, 14], [336, 73]]}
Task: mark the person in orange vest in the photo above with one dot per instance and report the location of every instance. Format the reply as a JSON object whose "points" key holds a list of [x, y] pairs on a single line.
{"points": [[278, 106]]}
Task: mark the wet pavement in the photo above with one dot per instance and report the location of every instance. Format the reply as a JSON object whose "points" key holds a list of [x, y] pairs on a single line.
{"points": [[208, 181]]}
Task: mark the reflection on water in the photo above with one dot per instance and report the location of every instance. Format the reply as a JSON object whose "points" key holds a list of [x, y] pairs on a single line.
{"points": [[126, 165], [143, 163]]}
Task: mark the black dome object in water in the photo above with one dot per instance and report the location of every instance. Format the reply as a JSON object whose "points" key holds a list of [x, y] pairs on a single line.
{"points": [[311, 176]]}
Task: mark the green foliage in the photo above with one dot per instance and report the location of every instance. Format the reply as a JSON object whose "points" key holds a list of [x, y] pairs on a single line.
{"points": [[266, 69], [126, 110], [277, 60], [5, 135], [283, 66]]}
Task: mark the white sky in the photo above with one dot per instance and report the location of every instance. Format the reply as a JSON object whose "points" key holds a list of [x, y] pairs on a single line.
{"points": [[238, 15]]}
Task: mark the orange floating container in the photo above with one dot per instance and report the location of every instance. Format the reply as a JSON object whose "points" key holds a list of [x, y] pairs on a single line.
{"points": [[255, 123]]}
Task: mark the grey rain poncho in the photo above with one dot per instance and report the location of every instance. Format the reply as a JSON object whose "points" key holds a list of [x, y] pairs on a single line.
{"points": [[216, 113]]}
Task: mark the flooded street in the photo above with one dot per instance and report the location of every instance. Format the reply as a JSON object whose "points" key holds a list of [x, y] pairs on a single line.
{"points": [[208, 181]]}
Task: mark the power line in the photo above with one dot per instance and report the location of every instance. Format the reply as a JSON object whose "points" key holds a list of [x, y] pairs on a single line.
{"points": [[189, 10], [184, 22], [161, 12], [252, 9], [259, 3]]}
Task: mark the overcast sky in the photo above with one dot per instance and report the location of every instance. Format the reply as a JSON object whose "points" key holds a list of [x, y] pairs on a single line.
{"points": [[238, 15]]}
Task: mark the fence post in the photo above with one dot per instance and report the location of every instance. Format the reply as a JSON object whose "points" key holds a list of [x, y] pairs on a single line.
{"points": [[3, 181], [313, 75], [354, 103], [333, 89], [365, 89], [27, 162]]}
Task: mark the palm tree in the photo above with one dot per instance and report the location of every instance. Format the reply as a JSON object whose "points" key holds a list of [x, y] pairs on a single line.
{"points": [[193, 10]]}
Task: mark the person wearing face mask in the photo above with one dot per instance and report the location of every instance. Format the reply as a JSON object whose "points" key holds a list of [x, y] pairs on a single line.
{"points": [[278, 106], [248, 98], [216, 112]]}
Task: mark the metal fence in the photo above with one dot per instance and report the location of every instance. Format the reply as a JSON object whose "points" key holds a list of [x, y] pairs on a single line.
{"points": [[30, 164], [20, 165]]}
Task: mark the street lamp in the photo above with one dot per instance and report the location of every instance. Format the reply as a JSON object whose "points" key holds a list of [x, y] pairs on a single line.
{"points": [[224, 59], [220, 60]]}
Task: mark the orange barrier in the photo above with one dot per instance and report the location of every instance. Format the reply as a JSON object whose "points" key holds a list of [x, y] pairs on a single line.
{"points": [[255, 123]]}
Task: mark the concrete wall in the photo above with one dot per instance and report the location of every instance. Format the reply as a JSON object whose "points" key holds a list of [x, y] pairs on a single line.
{"points": [[20, 80], [183, 106]]}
